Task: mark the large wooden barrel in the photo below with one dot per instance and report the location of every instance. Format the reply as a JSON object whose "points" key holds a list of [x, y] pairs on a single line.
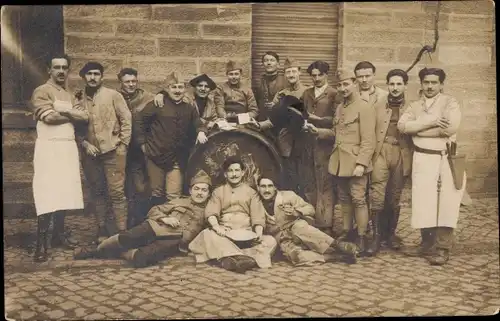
{"points": [[257, 151]]}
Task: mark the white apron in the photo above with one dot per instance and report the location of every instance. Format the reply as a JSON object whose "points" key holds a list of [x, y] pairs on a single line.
{"points": [[425, 173], [56, 182]]}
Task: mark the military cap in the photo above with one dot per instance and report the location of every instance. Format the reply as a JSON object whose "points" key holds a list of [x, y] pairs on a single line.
{"points": [[173, 78], [201, 177], [343, 74], [203, 77], [233, 65], [290, 62], [432, 71], [91, 65], [322, 66]]}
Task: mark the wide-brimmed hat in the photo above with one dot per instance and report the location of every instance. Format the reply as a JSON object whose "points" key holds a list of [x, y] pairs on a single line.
{"points": [[203, 77]]}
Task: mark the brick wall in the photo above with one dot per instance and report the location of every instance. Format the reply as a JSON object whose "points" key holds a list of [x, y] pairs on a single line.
{"points": [[158, 39], [390, 34]]}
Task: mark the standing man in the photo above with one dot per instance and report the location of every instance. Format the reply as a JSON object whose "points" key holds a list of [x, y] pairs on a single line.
{"points": [[271, 82], [287, 117], [320, 104], [433, 122], [391, 163], [294, 86], [235, 97], [105, 142], [166, 136], [288, 219], [56, 182], [234, 206], [136, 179], [365, 75], [350, 162], [202, 99]]}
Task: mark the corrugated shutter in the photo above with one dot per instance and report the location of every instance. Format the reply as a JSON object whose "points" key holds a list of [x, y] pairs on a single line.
{"points": [[304, 31]]}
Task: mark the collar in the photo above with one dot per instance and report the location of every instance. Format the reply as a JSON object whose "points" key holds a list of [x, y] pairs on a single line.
{"points": [[350, 99], [271, 77], [320, 90], [233, 86], [131, 96], [295, 86], [428, 102], [96, 92], [57, 86]]}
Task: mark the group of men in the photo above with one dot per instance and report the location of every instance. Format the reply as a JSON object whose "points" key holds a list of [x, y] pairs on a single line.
{"points": [[354, 144]]}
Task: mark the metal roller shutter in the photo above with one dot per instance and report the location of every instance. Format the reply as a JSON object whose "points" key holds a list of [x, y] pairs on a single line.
{"points": [[304, 31]]}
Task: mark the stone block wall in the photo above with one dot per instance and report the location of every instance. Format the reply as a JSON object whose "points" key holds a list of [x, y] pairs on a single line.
{"points": [[158, 39], [390, 34]]}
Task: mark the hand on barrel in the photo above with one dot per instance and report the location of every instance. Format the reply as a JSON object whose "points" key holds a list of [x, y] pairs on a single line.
{"points": [[201, 138], [253, 124]]}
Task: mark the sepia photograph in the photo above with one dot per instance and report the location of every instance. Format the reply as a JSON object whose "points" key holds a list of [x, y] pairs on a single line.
{"points": [[250, 160]]}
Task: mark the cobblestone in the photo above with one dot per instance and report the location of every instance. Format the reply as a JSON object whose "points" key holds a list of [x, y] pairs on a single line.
{"points": [[390, 284]]}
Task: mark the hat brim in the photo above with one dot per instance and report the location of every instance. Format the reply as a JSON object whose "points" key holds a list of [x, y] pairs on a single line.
{"points": [[211, 84]]}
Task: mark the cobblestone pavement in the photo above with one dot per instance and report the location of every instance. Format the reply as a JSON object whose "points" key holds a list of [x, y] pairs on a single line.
{"points": [[387, 285]]}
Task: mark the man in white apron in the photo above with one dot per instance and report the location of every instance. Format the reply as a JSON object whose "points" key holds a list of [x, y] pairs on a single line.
{"points": [[433, 122], [56, 182]]}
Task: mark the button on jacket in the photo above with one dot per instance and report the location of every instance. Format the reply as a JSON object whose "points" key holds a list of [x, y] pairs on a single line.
{"points": [[110, 120], [236, 99], [354, 130]]}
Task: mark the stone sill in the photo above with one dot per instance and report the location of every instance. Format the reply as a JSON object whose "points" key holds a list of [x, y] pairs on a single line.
{"points": [[17, 117]]}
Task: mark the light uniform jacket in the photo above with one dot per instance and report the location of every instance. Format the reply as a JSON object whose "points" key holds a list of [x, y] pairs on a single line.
{"points": [[384, 114], [354, 131], [211, 112], [315, 152], [378, 95], [110, 120], [427, 209], [190, 215], [280, 220]]}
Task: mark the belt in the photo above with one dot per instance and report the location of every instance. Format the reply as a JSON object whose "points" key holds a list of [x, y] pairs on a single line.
{"points": [[391, 140], [430, 151]]}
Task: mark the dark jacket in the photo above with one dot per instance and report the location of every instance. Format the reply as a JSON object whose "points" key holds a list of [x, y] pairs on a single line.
{"points": [[168, 132]]}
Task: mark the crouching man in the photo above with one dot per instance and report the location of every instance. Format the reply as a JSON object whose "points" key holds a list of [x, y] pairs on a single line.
{"points": [[234, 206], [167, 231], [288, 219]]}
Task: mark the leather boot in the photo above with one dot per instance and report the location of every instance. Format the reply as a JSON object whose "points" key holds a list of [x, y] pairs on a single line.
{"points": [[135, 257], [42, 238], [393, 241], [348, 249], [60, 238], [439, 257], [374, 247], [109, 248], [362, 244]]}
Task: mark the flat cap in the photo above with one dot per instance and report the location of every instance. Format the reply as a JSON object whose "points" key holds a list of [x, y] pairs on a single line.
{"points": [[233, 65], [203, 77], [321, 65], [290, 62], [343, 74], [91, 65]]}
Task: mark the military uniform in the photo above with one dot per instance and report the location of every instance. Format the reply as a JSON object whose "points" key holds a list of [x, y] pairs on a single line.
{"points": [[136, 176], [314, 155], [374, 96], [235, 99], [270, 85], [391, 165], [354, 129]]}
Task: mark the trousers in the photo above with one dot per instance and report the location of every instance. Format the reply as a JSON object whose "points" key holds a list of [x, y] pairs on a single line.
{"points": [[106, 176], [164, 183]]}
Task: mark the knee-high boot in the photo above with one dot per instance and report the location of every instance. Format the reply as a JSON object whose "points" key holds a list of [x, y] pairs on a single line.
{"points": [[375, 244], [42, 241], [393, 241]]}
